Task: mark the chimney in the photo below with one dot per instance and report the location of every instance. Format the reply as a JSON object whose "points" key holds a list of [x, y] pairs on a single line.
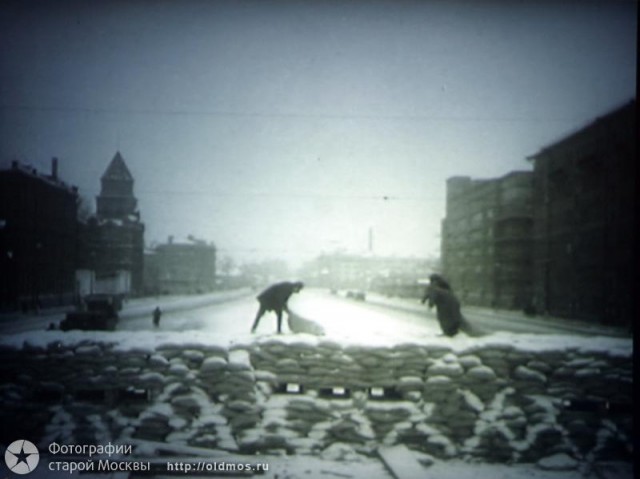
{"points": [[54, 168]]}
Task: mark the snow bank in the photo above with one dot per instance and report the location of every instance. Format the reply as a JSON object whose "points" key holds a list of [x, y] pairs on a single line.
{"points": [[461, 344]]}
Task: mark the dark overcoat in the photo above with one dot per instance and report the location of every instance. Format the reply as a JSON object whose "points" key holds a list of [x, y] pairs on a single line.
{"points": [[275, 297], [447, 309]]}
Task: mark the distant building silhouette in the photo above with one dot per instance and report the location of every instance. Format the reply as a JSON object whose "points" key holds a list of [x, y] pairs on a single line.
{"points": [[486, 239], [113, 240], [116, 200], [37, 238], [394, 276], [584, 227], [178, 268], [559, 240]]}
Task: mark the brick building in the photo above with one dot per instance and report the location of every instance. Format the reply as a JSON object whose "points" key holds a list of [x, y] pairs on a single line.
{"points": [[584, 228], [38, 246], [486, 239]]}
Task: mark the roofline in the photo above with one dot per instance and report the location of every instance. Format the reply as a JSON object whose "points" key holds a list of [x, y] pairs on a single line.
{"points": [[569, 136], [30, 172], [509, 173]]}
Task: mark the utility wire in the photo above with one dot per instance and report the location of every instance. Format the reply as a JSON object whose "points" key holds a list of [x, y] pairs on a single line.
{"points": [[289, 195], [285, 115]]}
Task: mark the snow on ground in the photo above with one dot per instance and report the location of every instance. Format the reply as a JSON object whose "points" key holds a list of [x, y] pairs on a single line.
{"points": [[150, 339], [136, 311], [305, 467], [225, 318], [299, 467], [193, 320], [144, 306], [229, 318], [350, 320], [541, 322], [463, 470], [228, 325]]}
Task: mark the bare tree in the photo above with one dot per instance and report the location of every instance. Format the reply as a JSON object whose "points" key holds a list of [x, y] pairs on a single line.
{"points": [[84, 209]]}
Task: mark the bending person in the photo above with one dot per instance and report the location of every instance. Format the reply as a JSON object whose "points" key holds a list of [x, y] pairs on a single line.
{"points": [[275, 298]]}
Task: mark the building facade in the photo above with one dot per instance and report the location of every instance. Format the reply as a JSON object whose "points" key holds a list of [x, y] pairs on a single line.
{"points": [[394, 276], [181, 268], [486, 241], [38, 247], [584, 221], [113, 240]]}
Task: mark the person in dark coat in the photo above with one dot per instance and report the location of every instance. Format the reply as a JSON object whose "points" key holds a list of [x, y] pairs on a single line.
{"points": [[157, 314], [440, 295], [275, 298], [439, 281]]}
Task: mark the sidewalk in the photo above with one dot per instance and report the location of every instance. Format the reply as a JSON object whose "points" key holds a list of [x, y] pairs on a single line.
{"points": [[43, 313], [587, 327], [132, 308], [144, 306]]}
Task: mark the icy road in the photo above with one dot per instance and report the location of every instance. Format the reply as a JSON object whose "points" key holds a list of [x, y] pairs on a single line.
{"points": [[231, 313], [339, 317], [342, 317]]}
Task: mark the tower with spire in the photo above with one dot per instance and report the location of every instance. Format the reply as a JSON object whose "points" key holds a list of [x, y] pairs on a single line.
{"points": [[114, 239], [116, 199]]}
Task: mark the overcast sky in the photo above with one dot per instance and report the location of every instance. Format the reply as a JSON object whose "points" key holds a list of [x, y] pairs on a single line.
{"points": [[288, 128]]}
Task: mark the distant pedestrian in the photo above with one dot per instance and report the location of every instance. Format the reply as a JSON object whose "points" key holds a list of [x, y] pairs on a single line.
{"points": [[275, 298], [157, 313], [440, 295]]}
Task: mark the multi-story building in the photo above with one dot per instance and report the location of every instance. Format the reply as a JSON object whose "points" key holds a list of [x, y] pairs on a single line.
{"points": [[486, 239], [398, 276], [584, 226], [113, 240], [38, 246], [179, 268]]}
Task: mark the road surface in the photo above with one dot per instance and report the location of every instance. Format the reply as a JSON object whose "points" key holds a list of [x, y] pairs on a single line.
{"points": [[233, 313], [406, 317], [502, 320]]}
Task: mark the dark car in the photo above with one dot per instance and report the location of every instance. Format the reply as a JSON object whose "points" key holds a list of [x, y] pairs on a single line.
{"points": [[357, 295], [101, 314]]}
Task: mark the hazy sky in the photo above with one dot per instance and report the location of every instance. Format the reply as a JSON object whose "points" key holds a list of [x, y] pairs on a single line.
{"points": [[287, 128]]}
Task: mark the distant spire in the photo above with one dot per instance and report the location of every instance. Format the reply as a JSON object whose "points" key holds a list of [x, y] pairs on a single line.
{"points": [[116, 199], [117, 169]]}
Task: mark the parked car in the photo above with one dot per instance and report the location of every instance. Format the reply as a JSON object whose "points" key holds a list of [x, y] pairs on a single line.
{"points": [[357, 295], [100, 313]]}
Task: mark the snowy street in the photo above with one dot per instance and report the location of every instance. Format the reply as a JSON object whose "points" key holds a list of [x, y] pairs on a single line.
{"points": [[190, 325], [339, 316], [136, 313], [344, 240], [231, 313]]}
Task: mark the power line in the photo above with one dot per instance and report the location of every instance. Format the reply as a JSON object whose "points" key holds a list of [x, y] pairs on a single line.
{"points": [[283, 115], [328, 196]]}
